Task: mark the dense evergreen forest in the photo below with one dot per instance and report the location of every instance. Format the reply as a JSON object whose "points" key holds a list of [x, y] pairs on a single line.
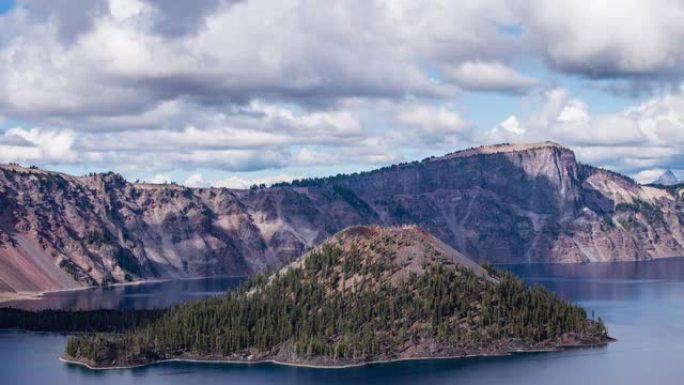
{"points": [[101, 321], [352, 302]]}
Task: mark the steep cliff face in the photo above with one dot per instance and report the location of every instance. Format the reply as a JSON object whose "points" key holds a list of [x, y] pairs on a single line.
{"points": [[101, 229], [528, 203], [506, 203]]}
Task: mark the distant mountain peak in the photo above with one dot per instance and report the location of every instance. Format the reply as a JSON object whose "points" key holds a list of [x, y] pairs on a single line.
{"points": [[667, 179]]}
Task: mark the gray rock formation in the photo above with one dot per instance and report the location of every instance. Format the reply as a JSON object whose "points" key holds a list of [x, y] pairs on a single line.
{"points": [[506, 203], [667, 179]]}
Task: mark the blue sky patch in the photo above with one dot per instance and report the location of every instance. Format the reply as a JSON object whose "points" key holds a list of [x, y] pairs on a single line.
{"points": [[6, 6], [513, 30]]}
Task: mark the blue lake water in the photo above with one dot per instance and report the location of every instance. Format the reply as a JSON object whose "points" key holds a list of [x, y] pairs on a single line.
{"points": [[146, 296], [642, 304]]}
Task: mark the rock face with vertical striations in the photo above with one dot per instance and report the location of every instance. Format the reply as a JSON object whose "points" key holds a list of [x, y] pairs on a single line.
{"points": [[504, 203]]}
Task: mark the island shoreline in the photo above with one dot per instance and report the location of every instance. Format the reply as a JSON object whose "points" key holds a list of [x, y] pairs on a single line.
{"points": [[553, 349]]}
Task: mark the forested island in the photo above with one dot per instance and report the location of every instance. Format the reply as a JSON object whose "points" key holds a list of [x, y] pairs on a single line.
{"points": [[368, 294]]}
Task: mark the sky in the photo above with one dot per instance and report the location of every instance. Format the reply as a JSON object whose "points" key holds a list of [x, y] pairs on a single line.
{"points": [[231, 93]]}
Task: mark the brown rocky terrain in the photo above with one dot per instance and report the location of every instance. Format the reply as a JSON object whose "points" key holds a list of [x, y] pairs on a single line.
{"points": [[506, 203]]}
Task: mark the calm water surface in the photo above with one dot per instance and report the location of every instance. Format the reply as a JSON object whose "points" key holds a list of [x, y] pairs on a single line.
{"points": [[145, 296], [642, 304]]}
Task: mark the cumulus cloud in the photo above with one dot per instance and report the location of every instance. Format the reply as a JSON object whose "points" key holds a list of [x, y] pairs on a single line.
{"points": [[258, 136], [11, 153], [434, 127], [125, 65], [510, 125], [166, 85], [608, 38], [649, 135], [237, 182], [147, 52], [573, 111], [160, 179], [489, 76], [650, 175], [50, 145], [436, 119], [160, 85], [195, 180]]}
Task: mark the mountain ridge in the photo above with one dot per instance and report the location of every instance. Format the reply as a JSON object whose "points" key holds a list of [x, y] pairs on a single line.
{"points": [[505, 203]]}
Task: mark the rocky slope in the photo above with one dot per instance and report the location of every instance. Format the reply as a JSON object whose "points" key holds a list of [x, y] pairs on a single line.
{"points": [[368, 294], [506, 203]]}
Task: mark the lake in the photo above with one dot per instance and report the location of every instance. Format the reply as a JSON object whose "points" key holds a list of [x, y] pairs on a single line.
{"points": [[143, 296], [642, 304]]}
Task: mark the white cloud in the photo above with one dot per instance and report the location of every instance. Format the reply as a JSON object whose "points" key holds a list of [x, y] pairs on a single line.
{"points": [[9, 153], [162, 86], [259, 136], [438, 120], [574, 111], [489, 76], [560, 117], [510, 125], [373, 151], [160, 179], [607, 38], [648, 176], [125, 9], [649, 135], [237, 182], [195, 180], [124, 66], [46, 145]]}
